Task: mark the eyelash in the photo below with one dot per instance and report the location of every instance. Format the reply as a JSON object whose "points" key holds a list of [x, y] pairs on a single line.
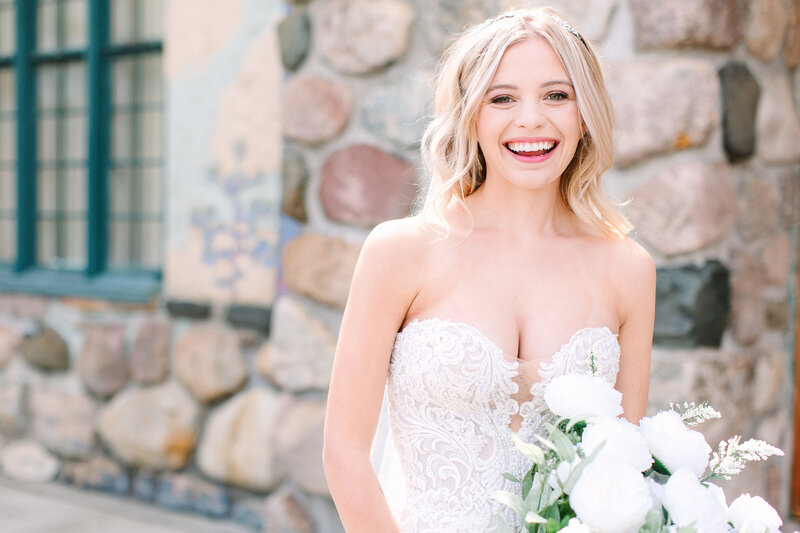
{"points": [[504, 99]]}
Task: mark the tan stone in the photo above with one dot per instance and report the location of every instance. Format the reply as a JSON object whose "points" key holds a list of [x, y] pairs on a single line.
{"points": [[27, 460], [662, 106], [759, 207], [299, 356], [150, 352], [13, 414], [777, 122], [776, 258], [10, 337], [320, 108], [688, 206], [791, 46], [299, 445], [103, 367], [154, 427], [748, 308], [63, 421], [770, 377], [777, 314], [285, 512], [360, 36], [238, 443], [676, 24], [765, 22], [320, 266], [207, 359], [591, 17]]}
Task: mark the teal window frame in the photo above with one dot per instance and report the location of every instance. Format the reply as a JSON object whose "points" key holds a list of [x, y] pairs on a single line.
{"points": [[96, 280]]}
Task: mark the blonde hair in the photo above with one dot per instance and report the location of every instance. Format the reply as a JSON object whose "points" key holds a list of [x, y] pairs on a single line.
{"points": [[450, 151]]}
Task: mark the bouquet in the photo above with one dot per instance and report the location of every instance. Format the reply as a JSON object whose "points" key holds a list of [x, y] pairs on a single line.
{"points": [[598, 473]]}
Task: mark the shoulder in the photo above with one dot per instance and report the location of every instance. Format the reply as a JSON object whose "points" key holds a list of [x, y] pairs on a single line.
{"points": [[632, 272]]}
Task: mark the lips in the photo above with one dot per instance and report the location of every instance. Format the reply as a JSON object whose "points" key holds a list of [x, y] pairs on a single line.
{"points": [[531, 148]]}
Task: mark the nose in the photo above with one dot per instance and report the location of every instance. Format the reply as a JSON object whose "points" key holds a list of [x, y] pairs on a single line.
{"points": [[530, 114]]}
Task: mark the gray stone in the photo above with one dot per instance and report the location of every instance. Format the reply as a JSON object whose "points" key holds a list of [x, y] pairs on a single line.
{"points": [[285, 512], [249, 512], [748, 308], [777, 314], [299, 356], [398, 111], [27, 460], [63, 421], [249, 316], [295, 180], [207, 359], [360, 36], [765, 22], [791, 45], [299, 445], [320, 108], [711, 24], [150, 352], [103, 367], [98, 473], [770, 376], [740, 93], [689, 206], [442, 20], [776, 258], [662, 106], [320, 266], [13, 414], [192, 310], [44, 348], [294, 36], [692, 305], [777, 123], [759, 207], [181, 492], [10, 338], [238, 443], [153, 428], [144, 485], [364, 185]]}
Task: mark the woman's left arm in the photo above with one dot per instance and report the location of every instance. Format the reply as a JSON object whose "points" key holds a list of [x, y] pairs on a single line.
{"points": [[636, 286]]}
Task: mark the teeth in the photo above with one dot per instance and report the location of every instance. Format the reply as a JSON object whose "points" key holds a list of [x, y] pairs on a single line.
{"points": [[531, 147]]}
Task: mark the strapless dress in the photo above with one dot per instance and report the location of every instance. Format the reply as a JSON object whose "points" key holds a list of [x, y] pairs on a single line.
{"points": [[449, 393]]}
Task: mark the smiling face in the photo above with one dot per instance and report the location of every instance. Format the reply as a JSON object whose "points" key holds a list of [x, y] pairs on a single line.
{"points": [[528, 123]]}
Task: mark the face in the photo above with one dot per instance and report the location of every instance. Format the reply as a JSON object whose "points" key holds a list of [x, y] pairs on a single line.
{"points": [[528, 124]]}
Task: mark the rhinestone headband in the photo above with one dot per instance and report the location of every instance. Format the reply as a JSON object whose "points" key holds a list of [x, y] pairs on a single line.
{"points": [[564, 24]]}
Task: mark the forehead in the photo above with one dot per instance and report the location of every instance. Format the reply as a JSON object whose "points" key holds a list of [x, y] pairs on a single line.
{"points": [[530, 58]]}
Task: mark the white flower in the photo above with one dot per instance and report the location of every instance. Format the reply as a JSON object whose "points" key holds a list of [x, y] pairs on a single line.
{"points": [[575, 526], [611, 497], [675, 445], [577, 395], [623, 442], [689, 503], [559, 476], [751, 514]]}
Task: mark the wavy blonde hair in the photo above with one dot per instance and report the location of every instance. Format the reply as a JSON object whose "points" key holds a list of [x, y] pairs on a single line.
{"points": [[450, 151]]}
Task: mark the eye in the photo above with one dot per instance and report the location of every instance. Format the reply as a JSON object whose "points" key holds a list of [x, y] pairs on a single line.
{"points": [[502, 99], [557, 96]]}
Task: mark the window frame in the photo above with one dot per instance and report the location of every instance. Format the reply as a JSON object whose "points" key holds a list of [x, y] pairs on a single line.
{"points": [[96, 280]]}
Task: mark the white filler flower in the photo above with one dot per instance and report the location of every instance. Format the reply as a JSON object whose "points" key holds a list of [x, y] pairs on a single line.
{"points": [[575, 395], [690, 504], [623, 442], [752, 514], [675, 445], [611, 497], [575, 526]]}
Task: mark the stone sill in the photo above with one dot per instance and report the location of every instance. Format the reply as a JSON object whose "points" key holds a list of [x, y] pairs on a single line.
{"points": [[136, 287]]}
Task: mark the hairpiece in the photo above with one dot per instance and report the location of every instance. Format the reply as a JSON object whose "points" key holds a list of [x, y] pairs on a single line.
{"points": [[567, 26]]}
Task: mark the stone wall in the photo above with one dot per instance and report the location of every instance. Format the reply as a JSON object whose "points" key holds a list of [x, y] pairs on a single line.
{"points": [[210, 398]]}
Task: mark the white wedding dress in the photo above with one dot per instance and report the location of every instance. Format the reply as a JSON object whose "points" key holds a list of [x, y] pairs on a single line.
{"points": [[450, 404]]}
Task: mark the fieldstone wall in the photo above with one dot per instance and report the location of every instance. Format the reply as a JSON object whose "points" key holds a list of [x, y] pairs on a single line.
{"points": [[211, 398]]}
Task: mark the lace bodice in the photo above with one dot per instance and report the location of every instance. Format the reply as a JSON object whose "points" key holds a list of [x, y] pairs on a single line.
{"points": [[450, 406]]}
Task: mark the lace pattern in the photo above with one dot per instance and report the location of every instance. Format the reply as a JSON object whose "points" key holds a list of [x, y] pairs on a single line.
{"points": [[450, 405]]}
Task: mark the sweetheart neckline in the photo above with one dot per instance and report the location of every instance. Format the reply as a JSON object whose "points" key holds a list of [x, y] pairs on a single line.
{"points": [[496, 347]]}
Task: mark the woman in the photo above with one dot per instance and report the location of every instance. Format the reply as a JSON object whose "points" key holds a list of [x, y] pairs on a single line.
{"points": [[517, 269]]}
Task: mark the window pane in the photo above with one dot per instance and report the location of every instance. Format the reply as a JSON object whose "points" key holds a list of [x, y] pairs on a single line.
{"points": [[75, 14], [120, 191], [8, 192], [75, 142], [74, 86], [151, 191], [151, 245], [62, 24], [75, 193], [8, 141], [7, 91], [74, 249], [8, 239], [118, 251], [46, 242], [47, 26], [121, 132], [150, 75], [136, 20], [151, 17], [8, 27], [122, 20], [46, 192], [122, 74], [151, 134]]}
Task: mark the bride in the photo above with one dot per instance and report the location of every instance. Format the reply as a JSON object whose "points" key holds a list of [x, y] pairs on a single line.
{"points": [[517, 269]]}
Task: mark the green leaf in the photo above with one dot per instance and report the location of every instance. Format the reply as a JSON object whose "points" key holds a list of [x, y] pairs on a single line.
{"points": [[511, 500], [510, 477], [502, 525], [533, 518], [547, 443], [659, 467], [527, 482], [563, 444]]}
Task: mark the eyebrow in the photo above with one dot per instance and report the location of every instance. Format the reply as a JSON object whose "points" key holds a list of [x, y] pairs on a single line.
{"points": [[545, 84]]}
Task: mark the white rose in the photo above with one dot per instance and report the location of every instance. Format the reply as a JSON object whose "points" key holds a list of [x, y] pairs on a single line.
{"points": [[675, 445], [575, 526], [573, 395], [559, 476], [611, 497], [691, 504], [752, 514], [623, 442]]}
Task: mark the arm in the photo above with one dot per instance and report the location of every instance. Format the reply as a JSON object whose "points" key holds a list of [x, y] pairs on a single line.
{"points": [[380, 295], [637, 289]]}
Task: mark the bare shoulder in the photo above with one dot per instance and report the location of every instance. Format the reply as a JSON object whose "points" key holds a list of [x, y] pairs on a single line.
{"points": [[632, 272]]}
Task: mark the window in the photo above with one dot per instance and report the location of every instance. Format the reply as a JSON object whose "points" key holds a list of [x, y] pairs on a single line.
{"points": [[81, 157]]}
